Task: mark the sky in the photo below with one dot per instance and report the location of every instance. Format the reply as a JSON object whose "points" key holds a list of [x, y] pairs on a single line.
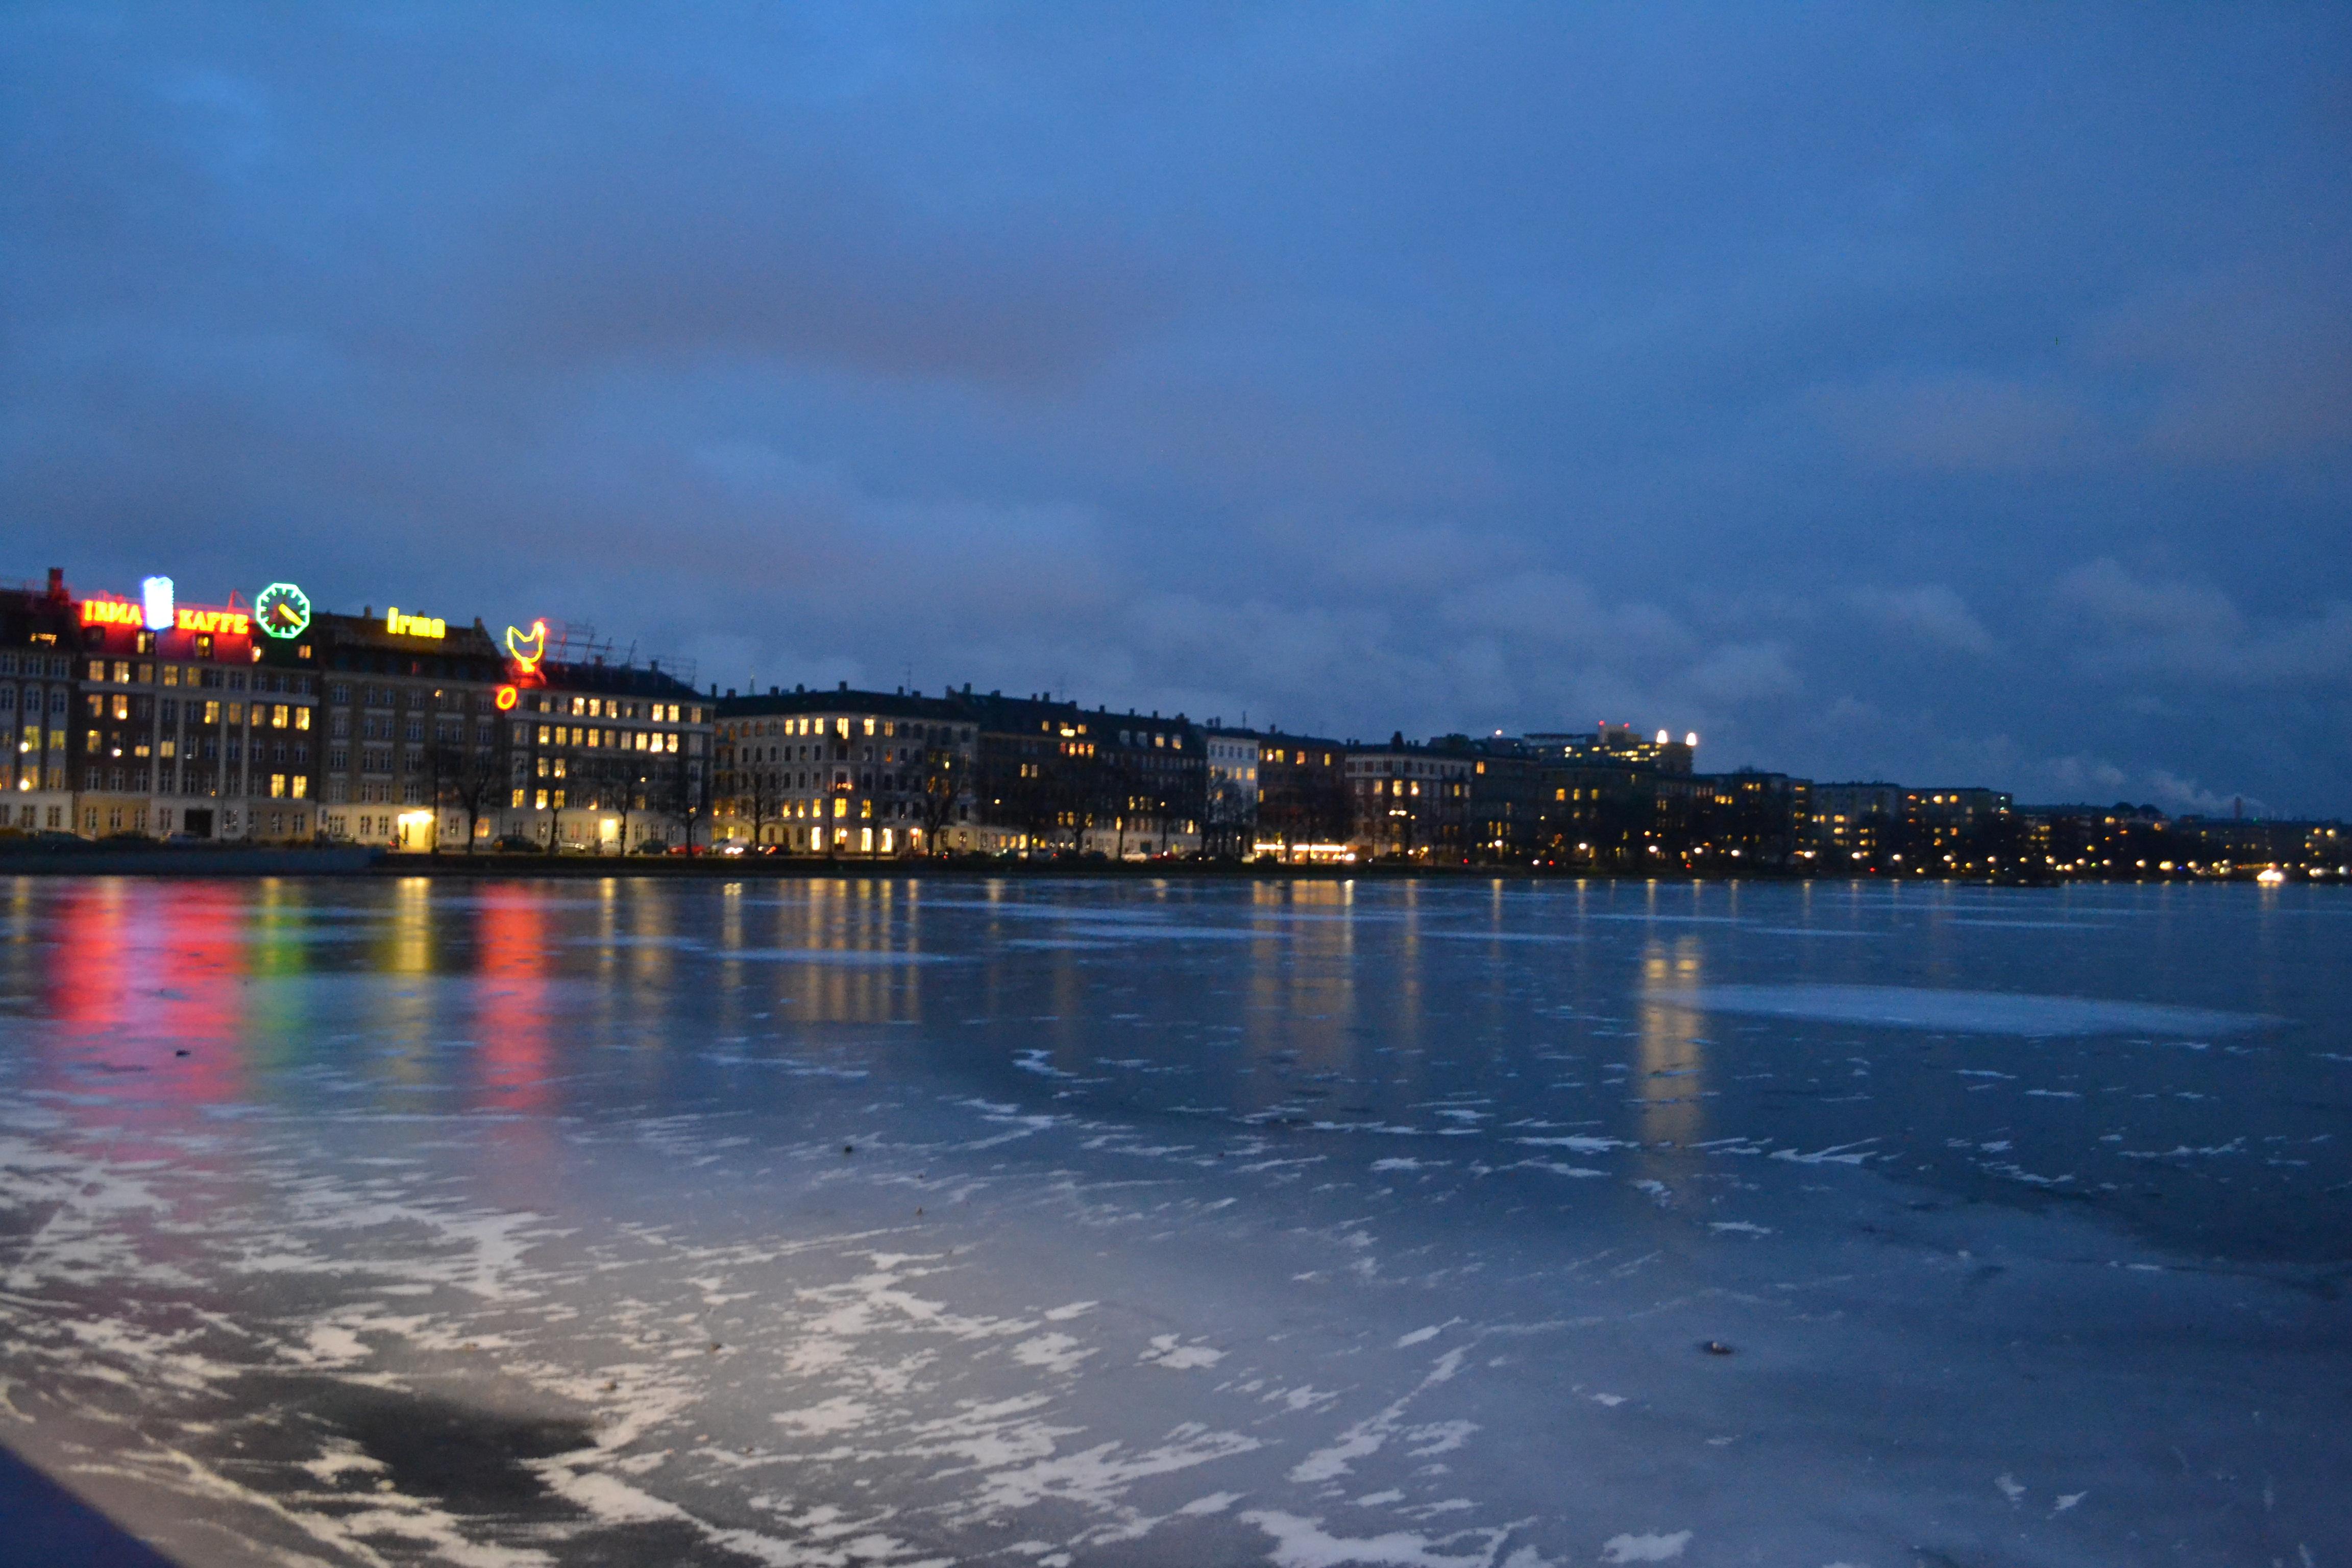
{"points": [[1953, 395]]}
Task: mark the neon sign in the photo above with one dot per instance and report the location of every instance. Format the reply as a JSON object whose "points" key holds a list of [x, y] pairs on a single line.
{"points": [[284, 610], [507, 698], [230, 623], [530, 648], [414, 625], [155, 601], [112, 612], [141, 613]]}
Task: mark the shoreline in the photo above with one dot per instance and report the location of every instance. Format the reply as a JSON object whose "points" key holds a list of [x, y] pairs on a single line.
{"points": [[362, 861]]}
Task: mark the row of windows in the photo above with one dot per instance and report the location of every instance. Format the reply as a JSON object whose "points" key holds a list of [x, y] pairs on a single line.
{"points": [[122, 672], [609, 739], [340, 692], [612, 707], [751, 755], [384, 727], [137, 781], [56, 701], [940, 734], [1389, 766], [376, 791], [95, 743], [841, 779], [117, 706], [56, 667], [372, 696], [802, 810]]}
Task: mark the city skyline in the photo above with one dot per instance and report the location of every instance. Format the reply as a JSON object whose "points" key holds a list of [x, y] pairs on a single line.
{"points": [[1953, 396], [582, 644]]}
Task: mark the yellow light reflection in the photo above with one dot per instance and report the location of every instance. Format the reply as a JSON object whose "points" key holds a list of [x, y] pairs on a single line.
{"points": [[1673, 1070]]}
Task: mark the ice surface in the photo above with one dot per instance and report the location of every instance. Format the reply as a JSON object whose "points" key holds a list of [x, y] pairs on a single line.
{"points": [[895, 1222], [1975, 1012]]}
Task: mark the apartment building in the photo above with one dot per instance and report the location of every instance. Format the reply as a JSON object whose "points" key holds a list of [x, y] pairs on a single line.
{"points": [[1409, 801], [187, 722], [1306, 805], [1229, 813], [40, 701], [411, 715], [847, 773], [596, 756]]}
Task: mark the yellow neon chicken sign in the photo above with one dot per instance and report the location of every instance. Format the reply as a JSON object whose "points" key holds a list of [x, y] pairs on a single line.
{"points": [[528, 647]]}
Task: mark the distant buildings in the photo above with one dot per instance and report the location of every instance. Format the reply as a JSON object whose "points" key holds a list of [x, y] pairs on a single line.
{"points": [[883, 774], [1306, 801], [1411, 802], [262, 721], [844, 773], [1230, 814], [136, 716], [146, 718], [1855, 821]]}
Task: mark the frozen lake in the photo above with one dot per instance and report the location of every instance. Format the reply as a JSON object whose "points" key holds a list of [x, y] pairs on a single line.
{"points": [[1041, 1223]]}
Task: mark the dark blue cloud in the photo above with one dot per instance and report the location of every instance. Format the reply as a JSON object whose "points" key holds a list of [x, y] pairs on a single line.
{"points": [[1963, 395]]}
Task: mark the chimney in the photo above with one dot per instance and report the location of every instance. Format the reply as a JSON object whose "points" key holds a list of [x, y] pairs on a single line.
{"points": [[57, 583]]}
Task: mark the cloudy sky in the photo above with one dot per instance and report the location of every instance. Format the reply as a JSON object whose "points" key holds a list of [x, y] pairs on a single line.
{"points": [[1951, 394]]}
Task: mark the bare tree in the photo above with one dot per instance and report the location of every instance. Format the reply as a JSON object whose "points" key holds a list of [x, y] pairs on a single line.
{"points": [[674, 793], [469, 778], [758, 788], [1225, 817], [946, 778]]}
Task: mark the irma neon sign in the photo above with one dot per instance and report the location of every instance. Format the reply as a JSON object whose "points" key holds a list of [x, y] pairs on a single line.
{"points": [[132, 613], [414, 625]]}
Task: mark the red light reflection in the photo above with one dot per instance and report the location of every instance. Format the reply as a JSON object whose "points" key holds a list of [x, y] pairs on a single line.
{"points": [[141, 972], [511, 966]]}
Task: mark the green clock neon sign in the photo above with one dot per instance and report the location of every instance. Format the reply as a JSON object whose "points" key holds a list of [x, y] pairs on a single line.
{"points": [[282, 610]]}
